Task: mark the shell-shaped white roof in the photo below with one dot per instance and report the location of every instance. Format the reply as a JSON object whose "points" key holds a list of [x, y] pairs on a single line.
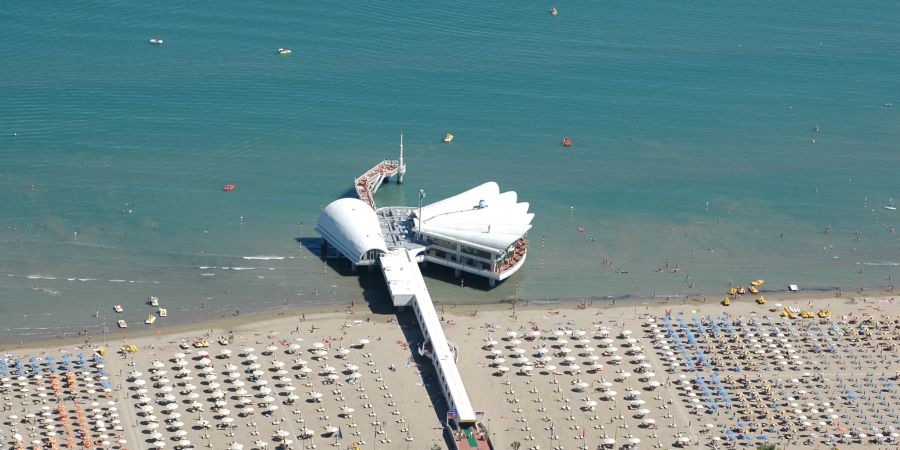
{"points": [[352, 227], [482, 216]]}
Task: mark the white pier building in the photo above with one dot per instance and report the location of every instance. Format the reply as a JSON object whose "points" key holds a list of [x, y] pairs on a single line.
{"points": [[481, 231]]}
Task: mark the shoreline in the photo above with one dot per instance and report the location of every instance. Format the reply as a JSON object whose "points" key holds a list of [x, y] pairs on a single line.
{"points": [[567, 373], [344, 309]]}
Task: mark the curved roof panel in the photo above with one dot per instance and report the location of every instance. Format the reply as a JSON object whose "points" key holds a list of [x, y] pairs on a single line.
{"points": [[352, 227], [482, 216]]}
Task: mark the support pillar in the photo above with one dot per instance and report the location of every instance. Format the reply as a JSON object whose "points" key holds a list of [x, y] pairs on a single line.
{"points": [[353, 267], [456, 273], [492, 282]]}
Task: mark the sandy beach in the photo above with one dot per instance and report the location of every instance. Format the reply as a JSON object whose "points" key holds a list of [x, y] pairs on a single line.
{"points": [[546, 376]]}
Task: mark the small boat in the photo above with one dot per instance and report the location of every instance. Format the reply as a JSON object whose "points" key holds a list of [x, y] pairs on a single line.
{"points": [[758, 282], [726, 301], [122, 324], [754, 290], [229, 187], [153, 300], [129, 348], [892, 208], [285, 51], [150, 319], [163, 312], [156, 41], [740, 290], [448, 138], [567, 142], [554, 11], [118, 308]]}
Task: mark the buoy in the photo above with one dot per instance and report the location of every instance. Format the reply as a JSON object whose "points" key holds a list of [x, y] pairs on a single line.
{"points": [[229, 187]]}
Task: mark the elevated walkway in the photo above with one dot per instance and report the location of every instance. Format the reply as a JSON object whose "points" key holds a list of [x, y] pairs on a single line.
{"points": [[407, 288], [368, 183]]}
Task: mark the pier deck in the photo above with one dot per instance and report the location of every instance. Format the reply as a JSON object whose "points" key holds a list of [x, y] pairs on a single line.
{"points": [[368, 183]]}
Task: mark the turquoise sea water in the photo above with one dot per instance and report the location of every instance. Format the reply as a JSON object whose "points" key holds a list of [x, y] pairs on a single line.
{"points": [[693, 128]]}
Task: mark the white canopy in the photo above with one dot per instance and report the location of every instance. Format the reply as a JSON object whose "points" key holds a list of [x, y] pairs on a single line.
{"points": [[351, 225], [481, 217]]}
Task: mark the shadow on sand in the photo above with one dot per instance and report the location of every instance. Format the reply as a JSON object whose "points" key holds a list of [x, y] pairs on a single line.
{"points": [[378, 299]]}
